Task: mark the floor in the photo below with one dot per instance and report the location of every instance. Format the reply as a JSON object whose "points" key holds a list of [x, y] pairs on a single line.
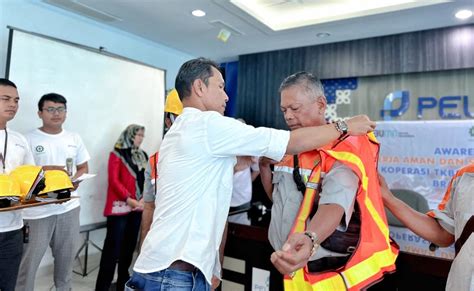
{"points": [[44, 279]]}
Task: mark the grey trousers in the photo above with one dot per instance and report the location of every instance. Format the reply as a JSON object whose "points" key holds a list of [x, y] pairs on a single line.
{"points": [[61, 233]]}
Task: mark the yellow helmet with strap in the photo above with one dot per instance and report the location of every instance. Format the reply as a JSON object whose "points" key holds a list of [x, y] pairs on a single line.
{"points": [[9, 187], [30, 179], [58, 184], [9, 190], [173, 103]]}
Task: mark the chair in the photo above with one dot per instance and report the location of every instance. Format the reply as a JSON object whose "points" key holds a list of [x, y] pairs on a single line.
{"points": [[414, 199]]}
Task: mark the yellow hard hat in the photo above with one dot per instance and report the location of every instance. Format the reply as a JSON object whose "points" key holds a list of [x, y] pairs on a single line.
{"points": [[30, 179], [173, 104], [9, 187], [58, 184], [9, 190]]}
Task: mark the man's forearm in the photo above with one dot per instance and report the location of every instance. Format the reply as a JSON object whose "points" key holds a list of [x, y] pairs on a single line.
{"points": [[310, 138], [147, 219], [326, 219], [420, 223], [53, 167], [266, 179], [80, 170]]}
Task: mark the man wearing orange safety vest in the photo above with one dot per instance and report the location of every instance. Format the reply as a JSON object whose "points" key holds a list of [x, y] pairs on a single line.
{"points": [[452, 221], [173, 108], [343, 244]]}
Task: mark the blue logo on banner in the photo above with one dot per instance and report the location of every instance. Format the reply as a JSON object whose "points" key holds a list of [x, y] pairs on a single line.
{"points": [[388, 112], [445, 104], [332, 85]]}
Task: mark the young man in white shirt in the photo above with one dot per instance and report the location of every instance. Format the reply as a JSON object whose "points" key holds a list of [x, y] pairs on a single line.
{"points": [[55, 225], [14, 152], [196, 162]]}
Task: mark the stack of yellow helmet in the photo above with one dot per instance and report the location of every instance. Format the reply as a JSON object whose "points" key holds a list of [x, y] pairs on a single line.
{"points": [[31, 180], [9, 190], [58, 185], [27, 181]]}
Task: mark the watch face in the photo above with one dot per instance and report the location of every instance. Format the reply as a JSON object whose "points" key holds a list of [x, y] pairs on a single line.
{"points": [[344, 126]]}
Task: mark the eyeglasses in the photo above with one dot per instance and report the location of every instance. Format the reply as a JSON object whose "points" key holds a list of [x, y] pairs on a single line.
{"points": [[52, 110]]}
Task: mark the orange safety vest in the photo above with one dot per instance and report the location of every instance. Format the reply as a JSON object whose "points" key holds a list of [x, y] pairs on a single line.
{"points": [[376, 252], [153, 166]]}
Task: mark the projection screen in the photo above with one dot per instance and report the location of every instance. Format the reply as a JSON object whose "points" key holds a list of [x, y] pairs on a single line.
{"points": [[104, 94]]}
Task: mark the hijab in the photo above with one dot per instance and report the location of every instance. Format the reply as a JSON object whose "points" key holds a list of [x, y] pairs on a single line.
{"points": [[125, 146]]}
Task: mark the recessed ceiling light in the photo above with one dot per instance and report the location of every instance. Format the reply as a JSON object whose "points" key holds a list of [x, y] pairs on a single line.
{"points": [[198, 13], [463, 14], [323, 34], [287, 14]]}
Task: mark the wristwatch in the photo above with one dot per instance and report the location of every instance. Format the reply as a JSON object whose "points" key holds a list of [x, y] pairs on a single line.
{"points": [[314, 240], [342, 127]]}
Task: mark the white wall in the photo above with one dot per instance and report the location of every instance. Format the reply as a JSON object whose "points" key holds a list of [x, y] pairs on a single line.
{"points": [[35, 16]]}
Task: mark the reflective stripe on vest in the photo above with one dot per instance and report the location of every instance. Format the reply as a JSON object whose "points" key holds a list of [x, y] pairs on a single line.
{"points": [[375, 253]]}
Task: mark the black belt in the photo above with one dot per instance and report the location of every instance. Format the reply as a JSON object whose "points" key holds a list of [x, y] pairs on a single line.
{"points": [[182, 266], [241, 208]]}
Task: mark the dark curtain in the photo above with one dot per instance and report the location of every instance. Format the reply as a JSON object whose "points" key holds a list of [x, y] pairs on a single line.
{"points": [[259, 78], [230, 71], [260, 74]]}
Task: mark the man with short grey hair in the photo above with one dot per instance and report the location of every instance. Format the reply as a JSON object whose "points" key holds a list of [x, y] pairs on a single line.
{"points": [[324, 179]]}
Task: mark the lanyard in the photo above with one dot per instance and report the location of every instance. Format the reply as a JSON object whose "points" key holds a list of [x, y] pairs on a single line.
{"points": [[3, 157]]}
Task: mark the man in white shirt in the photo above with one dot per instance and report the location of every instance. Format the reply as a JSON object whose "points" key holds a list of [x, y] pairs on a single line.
{"points": [[56, 225], [14, 152], [196, 162]]}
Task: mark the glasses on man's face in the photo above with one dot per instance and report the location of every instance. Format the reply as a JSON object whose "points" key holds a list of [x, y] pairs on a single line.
{"points": [[52, 110]]}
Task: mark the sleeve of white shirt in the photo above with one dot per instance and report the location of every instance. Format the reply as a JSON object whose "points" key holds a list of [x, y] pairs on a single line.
{"points": [[340, 187], [82, 153], [445, 217], [148, 188], [217, 267], [230, 137]]}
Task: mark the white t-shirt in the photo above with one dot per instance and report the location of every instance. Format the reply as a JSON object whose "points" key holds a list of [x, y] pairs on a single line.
{"points": [[54, 149], [242, 189], [196, 163], [18, 153]]}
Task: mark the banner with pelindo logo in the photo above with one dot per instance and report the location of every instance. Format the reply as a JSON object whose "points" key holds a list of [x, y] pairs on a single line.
{"points": [[443, 95], [423, 156]]}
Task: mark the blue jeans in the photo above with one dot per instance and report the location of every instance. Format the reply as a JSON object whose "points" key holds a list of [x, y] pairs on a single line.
{"points": [[168, 280]]}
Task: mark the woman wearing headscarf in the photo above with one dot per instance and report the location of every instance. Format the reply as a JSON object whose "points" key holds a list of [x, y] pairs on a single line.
{"points": [[123, 207]]}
